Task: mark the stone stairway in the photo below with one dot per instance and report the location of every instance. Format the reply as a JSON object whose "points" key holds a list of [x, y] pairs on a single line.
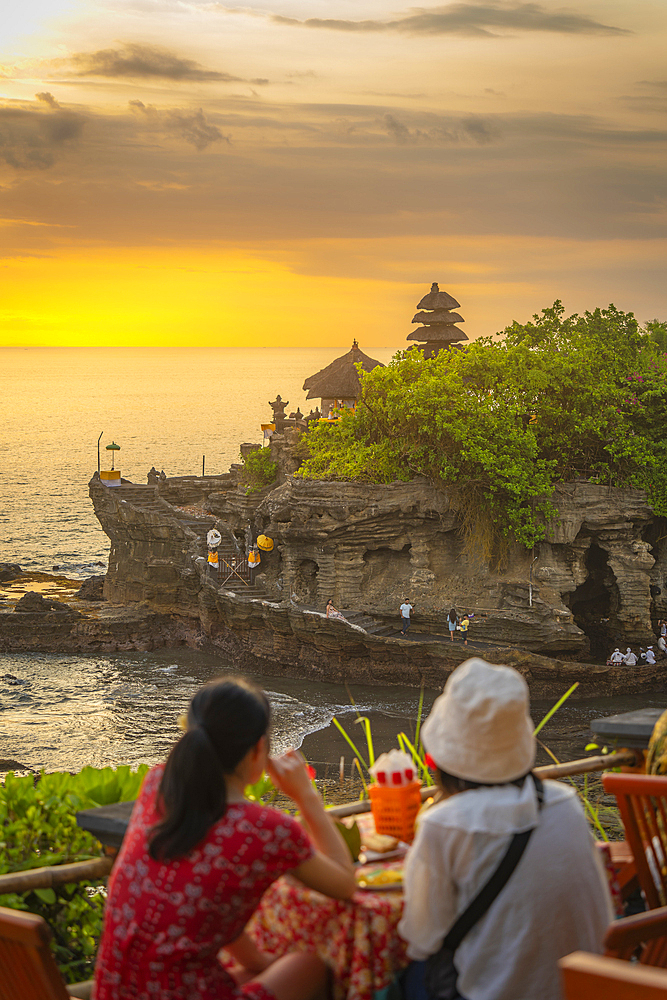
{"points": [[242, 581]]}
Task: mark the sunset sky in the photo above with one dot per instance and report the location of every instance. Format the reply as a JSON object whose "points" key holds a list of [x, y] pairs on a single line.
{"points": [[298, 172]]}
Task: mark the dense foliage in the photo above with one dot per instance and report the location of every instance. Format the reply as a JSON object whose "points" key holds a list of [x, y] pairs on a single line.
{"points": [[501, 422], [258, 470], [38, 827]]}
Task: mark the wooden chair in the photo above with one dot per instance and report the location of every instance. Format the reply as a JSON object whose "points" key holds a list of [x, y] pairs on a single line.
{"points": [[642, 802], [642, 936], [28, 970], [594, 977]]}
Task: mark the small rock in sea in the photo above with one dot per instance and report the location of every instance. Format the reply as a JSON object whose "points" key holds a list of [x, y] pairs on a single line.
{"points": [[6, 764], [91, 589], [34, 603], [55, 567], [9, 571]]}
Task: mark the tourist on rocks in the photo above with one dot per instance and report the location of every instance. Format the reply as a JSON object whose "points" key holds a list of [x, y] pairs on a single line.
{"points": [[197, 857], [406, 611], [332, 613], [616, 657], [650, 656], [663, 629], [464, 625], [452, 623], [662, 645], [554, 897], [630, 659], [642, 656]]}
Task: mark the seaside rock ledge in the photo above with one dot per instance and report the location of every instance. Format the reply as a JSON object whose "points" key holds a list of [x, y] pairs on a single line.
{"points": [[599, 578]]}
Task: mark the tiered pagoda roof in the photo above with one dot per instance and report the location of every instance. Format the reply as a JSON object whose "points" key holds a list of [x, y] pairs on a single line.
{"points": [[439, 330], [340, 380]]}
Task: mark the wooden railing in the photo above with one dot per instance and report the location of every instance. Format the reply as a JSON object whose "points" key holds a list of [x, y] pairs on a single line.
{"points": [[96, 868]]}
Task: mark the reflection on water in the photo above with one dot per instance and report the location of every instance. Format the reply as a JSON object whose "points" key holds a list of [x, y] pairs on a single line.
{"points": [[64, 712]]}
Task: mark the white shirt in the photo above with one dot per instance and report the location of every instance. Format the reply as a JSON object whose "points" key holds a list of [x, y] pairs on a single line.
{"points": [[630, 660], [405, 610], [650, 656], [555, 902], [616, 656]]}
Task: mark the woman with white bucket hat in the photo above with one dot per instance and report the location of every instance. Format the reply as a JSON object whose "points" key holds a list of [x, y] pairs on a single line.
{"points": [[549, 896]]}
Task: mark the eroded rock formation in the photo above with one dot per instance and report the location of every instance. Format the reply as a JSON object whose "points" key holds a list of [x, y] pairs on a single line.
{"points": [[598, 581]]}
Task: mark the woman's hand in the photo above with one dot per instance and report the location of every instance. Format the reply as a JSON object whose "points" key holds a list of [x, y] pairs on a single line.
{"points": [[288, 773]]}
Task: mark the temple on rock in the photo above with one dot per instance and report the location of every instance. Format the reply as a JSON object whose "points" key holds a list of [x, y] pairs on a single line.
{"points": [[337, 385], [439, 329]]}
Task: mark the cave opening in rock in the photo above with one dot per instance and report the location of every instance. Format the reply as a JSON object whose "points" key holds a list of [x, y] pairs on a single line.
{"points": [[595, 602]]}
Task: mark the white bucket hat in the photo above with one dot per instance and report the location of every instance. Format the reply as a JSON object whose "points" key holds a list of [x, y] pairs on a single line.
{"points": [[480, 728]]}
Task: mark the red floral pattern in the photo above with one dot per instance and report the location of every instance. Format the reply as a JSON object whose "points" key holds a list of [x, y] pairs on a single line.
{"points": [[165, 922], [359, 939]]}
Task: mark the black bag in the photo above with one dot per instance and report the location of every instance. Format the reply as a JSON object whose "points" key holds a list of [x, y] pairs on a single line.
{"points": [[441, 974]]}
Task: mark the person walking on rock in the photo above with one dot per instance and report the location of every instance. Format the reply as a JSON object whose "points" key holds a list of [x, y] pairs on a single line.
{"points": [[452, 622], [464, 625], [406, 610]]}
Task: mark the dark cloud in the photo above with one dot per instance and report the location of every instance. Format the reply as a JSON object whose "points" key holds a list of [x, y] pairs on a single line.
{"points": [[192, 126], [48, 99], [135, 61], [468, 129], [30, 138], [487, 19]]}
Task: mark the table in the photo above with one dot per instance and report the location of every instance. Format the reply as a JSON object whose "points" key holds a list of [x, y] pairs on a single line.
{"points": [[628, 729]]}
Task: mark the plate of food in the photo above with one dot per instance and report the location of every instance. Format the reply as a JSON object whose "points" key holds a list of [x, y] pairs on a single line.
{"points": [[380, 878], [379, 847]]}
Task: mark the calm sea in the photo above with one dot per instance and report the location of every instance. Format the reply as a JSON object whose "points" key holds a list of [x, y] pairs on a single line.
{"points": [[165, 408]]}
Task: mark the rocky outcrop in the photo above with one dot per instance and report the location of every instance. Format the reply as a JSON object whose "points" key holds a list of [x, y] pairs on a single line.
{"points": [[33, 603], [111, 630], [91, 589], [9, 571], [597, 581]]}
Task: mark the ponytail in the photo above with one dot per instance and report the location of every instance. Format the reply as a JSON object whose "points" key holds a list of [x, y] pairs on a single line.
{"points": [[225, 719]]}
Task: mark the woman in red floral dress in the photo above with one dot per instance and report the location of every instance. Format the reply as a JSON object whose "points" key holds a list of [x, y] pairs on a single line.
{"points": [[197, 857]]}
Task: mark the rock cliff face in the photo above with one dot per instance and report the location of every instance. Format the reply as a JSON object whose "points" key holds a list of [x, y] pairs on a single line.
{"points": [[597, 582]]}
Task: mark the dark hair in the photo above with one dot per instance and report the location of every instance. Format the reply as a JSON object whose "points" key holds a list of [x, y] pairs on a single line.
{"points": [[452, 785], [452, 615], [225, 719]]}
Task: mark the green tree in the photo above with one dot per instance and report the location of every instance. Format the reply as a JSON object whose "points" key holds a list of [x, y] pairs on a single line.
{"points": [[657, 332], [499, 423]]}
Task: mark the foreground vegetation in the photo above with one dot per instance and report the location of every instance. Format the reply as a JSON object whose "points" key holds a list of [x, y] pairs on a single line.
{"points": [[37, 828], [500, 423]]}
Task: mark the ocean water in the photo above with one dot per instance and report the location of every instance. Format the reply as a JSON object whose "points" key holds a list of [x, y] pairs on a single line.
{"points": [[165, 408], [63, 712]]}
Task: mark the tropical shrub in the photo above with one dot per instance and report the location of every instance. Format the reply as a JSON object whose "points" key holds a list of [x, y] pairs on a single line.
{"points": [[499, 424], [258, 470], [38, 828]]}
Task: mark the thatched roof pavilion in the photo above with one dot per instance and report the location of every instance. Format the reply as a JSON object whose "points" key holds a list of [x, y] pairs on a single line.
{"points": [[337, 385], [439, 329]]}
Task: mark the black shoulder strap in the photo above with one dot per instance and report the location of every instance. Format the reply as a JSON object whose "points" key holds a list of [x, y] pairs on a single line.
{"points": [[488, 893]]}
